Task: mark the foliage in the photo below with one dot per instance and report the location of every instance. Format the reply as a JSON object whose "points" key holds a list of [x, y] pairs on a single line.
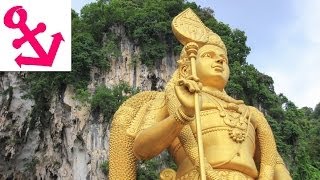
{"points": [[148, 24], [83, 56], [104, 166], [41, 86], [107, 100], [111, 48], [6, 97], [8, 91], [148, 170], [297, 139], [316, 113], [83, 95], [94, 17], [30, 166]]}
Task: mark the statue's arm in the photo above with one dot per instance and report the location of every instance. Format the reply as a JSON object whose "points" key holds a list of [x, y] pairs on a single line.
{"points": [[156, 138], [280, 170], [267, 145], [189, 144]]}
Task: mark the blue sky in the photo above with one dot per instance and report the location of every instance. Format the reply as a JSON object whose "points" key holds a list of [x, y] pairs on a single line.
{"points": [[284, 40]]}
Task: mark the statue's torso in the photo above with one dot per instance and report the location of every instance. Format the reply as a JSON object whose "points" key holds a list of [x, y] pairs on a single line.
{"points": [[228, 138]]}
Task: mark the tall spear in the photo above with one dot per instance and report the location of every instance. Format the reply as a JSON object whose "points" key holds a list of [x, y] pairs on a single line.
{"points": [[192, 49], [190, 31]]}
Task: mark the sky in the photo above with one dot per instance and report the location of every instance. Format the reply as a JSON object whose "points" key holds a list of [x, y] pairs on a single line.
{"points": [[284, 40]]}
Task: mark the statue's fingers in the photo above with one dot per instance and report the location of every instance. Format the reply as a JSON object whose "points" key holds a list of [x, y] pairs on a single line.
{"points": [[190, 86], [200, 85], [194, 78], [181, 82], [195, 86]]}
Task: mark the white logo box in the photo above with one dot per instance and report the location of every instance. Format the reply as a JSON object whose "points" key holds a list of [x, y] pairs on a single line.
{"points": [[56, 15]]}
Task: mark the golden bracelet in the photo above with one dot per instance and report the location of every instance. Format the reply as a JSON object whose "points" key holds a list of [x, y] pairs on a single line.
{"points": [[182, 118]]}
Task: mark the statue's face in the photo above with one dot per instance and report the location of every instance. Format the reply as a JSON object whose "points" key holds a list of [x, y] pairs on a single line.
{"points": [[212, 66]]}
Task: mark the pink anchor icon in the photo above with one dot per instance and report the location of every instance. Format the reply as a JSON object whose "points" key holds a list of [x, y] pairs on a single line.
{"points": [[44, 59]]}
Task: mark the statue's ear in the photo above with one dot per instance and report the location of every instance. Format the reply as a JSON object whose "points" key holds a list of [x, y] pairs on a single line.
{"points": [[184, 70]]}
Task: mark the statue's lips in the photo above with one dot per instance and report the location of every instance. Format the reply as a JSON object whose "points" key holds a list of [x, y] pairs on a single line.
{"points": [[218, 68]]}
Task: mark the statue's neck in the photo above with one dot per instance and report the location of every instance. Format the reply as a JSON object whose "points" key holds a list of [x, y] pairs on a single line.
{"points": [[220, 94]]}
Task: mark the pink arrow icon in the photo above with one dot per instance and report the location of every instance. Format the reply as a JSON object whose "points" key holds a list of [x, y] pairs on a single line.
{"points": [[44, 59]]}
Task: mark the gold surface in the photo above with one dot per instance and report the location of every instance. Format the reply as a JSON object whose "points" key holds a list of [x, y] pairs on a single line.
{"points": [[237, 140]]}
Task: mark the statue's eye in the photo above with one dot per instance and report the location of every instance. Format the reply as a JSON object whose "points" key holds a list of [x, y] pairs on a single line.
{"points": [[206, 55]]}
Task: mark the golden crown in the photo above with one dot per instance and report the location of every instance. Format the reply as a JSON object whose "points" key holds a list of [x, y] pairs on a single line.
{"points": [[187, 27]]}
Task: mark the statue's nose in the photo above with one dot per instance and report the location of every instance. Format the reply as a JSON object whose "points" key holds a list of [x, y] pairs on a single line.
{"points": [[220, 61]]}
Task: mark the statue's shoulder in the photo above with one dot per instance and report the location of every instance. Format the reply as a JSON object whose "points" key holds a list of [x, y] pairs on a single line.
{"points": [[141, 111], [131, 107], [255, 112], [256, 116]]}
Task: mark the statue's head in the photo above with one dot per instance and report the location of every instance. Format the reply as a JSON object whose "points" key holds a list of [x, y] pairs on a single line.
{"points": [[211, 55], [212, 66]]}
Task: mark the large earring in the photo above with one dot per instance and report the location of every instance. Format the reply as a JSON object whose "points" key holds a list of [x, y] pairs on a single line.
{"points": [[185, 70]]}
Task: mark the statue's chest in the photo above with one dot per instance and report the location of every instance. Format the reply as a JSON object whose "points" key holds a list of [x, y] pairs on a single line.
{"points": [[227, 120]]}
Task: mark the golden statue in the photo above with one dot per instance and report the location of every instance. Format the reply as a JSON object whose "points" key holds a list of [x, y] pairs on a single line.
{"points": [[209, 134]]}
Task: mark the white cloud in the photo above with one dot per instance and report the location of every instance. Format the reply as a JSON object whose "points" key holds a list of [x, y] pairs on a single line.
{"points": [[309, 18], [298, 51]]}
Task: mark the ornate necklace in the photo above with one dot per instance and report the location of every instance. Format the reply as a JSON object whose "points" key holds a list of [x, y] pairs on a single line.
{"points": [[223, 96], [234, 118]]}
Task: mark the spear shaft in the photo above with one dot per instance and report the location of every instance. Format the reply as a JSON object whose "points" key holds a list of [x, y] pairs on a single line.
{"points": [[192, 49]]}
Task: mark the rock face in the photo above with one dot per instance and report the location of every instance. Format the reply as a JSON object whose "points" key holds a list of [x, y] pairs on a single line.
{"points": [[125, 68], [75, 143]]}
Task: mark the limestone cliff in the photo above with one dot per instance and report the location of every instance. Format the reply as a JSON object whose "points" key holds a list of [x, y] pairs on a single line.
{"points": [[75, 143], [126, 68]]}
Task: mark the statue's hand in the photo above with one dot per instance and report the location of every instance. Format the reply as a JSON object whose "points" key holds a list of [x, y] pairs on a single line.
{"points": [[185, 90], [281, 172], [266, 172]]}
